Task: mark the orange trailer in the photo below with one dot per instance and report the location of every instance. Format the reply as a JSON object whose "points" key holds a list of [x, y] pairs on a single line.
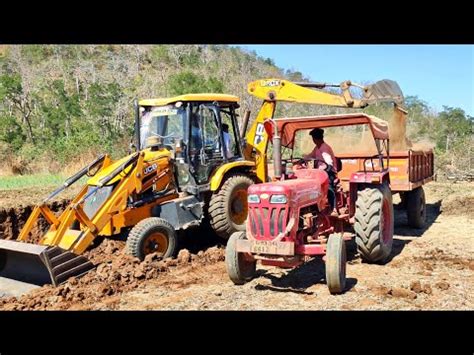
{"points": [[409, 170]]}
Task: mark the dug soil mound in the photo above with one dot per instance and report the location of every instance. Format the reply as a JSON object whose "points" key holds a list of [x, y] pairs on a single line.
{"points": [[115, 273], [459, 204]]}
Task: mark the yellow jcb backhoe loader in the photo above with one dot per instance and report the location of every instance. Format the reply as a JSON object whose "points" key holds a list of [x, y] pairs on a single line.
{"points": [[190, 165]]}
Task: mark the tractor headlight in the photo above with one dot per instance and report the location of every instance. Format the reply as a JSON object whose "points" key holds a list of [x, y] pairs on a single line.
{"points": [[253, 198], [278, 199]]}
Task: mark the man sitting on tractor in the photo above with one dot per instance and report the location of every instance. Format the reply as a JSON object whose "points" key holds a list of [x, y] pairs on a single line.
{"points": [[324, 159]]}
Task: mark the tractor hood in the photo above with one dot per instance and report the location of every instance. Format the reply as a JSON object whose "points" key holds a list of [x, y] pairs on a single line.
{"points": [[309, 186], [149, 156]]}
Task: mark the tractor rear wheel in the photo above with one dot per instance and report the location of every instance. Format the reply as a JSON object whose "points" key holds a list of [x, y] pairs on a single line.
{"points": [[239, 267], [416, 207], [228, 206], [152, 235], [336, 263], [374, 223]]}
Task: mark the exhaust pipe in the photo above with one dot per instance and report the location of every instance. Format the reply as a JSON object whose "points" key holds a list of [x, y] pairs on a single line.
{"points": [[276, 141]]}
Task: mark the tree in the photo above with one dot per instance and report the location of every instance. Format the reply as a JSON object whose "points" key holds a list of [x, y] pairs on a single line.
{"points": [[11, 92], [187, 82], [453, 124]]}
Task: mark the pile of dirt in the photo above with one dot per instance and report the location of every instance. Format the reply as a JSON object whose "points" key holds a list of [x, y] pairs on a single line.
{"points": [[459, 205], [437, 256], [456, 199], [115, 273]]}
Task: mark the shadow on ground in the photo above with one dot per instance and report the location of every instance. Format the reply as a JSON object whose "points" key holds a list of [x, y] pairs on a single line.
{"points": [[197, 239], [299, 279], [404, 234]]}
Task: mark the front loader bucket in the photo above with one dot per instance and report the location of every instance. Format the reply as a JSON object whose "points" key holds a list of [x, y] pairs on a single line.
{"points": [[40, 264], [384, 90]]}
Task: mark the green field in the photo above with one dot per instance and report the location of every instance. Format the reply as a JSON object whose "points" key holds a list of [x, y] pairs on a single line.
{"points": [[18, 182]]}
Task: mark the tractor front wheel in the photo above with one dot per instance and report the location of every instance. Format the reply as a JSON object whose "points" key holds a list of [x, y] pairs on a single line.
{"points": [[240, 267], [336, 263], [228, 206], [152, 235]]}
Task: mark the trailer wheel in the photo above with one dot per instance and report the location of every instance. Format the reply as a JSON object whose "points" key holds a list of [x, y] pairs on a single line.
{"points": [[416, 208], [336, 263], [403, 202], [152, 235], [239, 268], [228, 206], [374, 223]]}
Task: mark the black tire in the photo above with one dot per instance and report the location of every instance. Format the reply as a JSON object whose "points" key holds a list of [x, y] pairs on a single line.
{"points": [[336, 263], [416, 207], [403, 202], [239, 269], [374, 236], [228, 206], [152, 235]]}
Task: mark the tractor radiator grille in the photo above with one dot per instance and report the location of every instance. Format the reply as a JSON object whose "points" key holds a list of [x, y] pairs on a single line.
{"points": [[267, 222]]}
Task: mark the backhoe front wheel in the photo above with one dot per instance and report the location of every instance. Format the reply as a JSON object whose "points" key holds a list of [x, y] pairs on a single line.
{"points": [[228, 206], [152, 235], [374, 223]]}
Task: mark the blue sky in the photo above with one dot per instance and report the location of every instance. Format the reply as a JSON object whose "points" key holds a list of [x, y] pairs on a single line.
{"points": [[438, 74]]}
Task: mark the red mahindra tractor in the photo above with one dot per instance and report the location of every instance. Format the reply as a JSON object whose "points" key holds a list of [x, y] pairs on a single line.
{"points": [[290, 220]]}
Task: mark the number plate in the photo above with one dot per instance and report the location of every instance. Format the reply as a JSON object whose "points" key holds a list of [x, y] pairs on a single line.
{"points": [[273, 248]]}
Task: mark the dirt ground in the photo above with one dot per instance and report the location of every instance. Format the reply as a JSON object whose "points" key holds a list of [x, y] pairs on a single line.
{"points": [[432, 268]]}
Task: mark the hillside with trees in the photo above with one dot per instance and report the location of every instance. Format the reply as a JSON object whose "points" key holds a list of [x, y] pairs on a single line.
{"points": [[66, 103]]}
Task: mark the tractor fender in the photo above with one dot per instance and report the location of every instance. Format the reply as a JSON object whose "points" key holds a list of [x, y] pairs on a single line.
{"points": [[370, 177], [365, 178], [216, 179]]}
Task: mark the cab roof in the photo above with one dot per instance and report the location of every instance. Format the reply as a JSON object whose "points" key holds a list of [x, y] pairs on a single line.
{"points": [[288, 126], [189, 97]]}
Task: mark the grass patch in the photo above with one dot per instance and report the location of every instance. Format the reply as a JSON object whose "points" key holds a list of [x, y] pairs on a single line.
{"points": [[18, 182]]}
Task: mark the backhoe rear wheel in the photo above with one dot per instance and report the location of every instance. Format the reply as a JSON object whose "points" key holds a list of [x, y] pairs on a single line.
{"points": [[416, 207], [152, 235], [228, 206], [374, 223]]}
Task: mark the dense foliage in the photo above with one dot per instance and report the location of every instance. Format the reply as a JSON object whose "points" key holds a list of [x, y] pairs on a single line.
{"points": [[59, 102]]}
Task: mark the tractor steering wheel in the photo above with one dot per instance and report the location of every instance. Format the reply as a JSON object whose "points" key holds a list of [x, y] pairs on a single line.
{"points": [[304, 163]]}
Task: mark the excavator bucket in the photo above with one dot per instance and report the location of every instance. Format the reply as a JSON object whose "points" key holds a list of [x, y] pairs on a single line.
{"points": [[384, 90], [40, 264]]}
